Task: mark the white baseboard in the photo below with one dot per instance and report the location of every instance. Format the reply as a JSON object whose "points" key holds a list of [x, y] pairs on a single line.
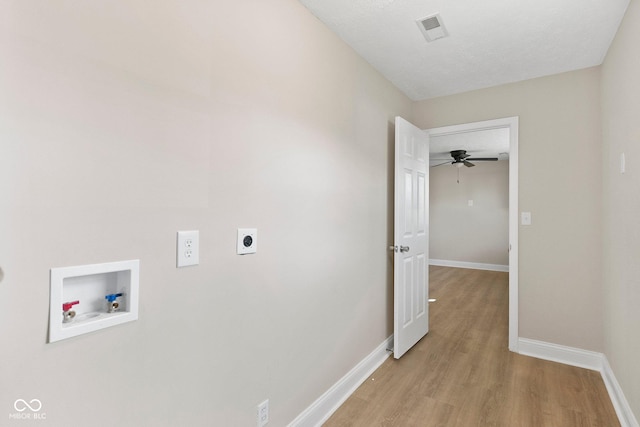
{"points": [[561, 354], [583, 359], [330, 401], [620, 403], [471, 265]]}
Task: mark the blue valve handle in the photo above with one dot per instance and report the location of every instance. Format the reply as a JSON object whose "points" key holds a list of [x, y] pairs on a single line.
{"points": [[112, 297]]}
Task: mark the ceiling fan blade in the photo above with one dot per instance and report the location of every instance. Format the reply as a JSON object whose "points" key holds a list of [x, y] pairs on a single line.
{"points": [[468, 164], [440, 164], [484, 159]]}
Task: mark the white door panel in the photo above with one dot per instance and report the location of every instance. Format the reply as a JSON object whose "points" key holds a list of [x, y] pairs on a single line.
{"points": [[411, 237]]}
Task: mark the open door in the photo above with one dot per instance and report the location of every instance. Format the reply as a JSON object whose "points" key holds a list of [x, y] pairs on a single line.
{"points": [[411, 237]]}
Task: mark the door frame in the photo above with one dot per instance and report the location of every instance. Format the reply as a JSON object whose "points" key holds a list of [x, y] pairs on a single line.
{"points": [[512, 124]]}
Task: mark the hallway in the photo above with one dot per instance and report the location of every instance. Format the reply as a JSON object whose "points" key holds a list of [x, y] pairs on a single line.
{"points": [[462, 373]]}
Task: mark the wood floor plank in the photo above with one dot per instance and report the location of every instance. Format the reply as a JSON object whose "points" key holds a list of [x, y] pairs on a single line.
{"points": [[462, 373]]}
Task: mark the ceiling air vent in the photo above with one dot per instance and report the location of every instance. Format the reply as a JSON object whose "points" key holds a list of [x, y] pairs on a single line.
{"points": [[432, 27]]}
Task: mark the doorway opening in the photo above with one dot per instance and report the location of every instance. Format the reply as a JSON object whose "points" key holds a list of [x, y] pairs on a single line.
{"points": [[510, 124]]}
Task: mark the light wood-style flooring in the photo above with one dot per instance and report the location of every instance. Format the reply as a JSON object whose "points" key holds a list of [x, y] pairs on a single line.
{"points": [[462, 373]]}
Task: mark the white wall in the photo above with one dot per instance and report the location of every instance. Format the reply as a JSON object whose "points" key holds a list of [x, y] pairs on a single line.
{"points": [[123, 122], [477, 233], [560, 184], [621, 134]]}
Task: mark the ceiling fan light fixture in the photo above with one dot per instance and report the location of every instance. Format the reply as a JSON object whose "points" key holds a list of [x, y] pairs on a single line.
{"points": [[461, 158]]}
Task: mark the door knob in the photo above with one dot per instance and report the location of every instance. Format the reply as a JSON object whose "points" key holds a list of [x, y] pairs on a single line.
{"points": [[393, 248], [404, 249]]}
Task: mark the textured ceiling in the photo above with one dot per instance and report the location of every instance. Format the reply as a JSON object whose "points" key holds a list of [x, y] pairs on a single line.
{"points": [[491, 42]]}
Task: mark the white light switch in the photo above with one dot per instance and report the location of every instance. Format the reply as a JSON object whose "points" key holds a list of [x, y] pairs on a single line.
{"points": [[470, 202], [623, 163], [525, 218], [188, 248], [247, 241]]}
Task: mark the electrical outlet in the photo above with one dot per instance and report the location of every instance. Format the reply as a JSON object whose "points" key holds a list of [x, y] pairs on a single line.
{"points": [[263, 413], [247, 241], [188, 248]]}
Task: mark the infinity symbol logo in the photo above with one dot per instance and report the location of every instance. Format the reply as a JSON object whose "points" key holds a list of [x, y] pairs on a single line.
{"points": [[21, 403]]}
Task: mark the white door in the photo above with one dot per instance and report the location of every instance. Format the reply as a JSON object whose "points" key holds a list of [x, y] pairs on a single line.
{"points": [[411, 237]]}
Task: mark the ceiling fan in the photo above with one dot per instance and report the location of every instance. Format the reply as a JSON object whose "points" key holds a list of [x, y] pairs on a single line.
{"points": [[460, 157]]}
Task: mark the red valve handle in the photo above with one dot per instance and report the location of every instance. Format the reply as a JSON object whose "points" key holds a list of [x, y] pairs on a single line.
{"points": [[67, 305]]}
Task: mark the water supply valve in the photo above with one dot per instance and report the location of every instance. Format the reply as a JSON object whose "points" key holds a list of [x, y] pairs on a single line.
{"points": [[112, 304], [67, 313]]}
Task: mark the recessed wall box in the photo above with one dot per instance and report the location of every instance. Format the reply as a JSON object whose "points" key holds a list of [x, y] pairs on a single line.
{"points": [[88, 288]]}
